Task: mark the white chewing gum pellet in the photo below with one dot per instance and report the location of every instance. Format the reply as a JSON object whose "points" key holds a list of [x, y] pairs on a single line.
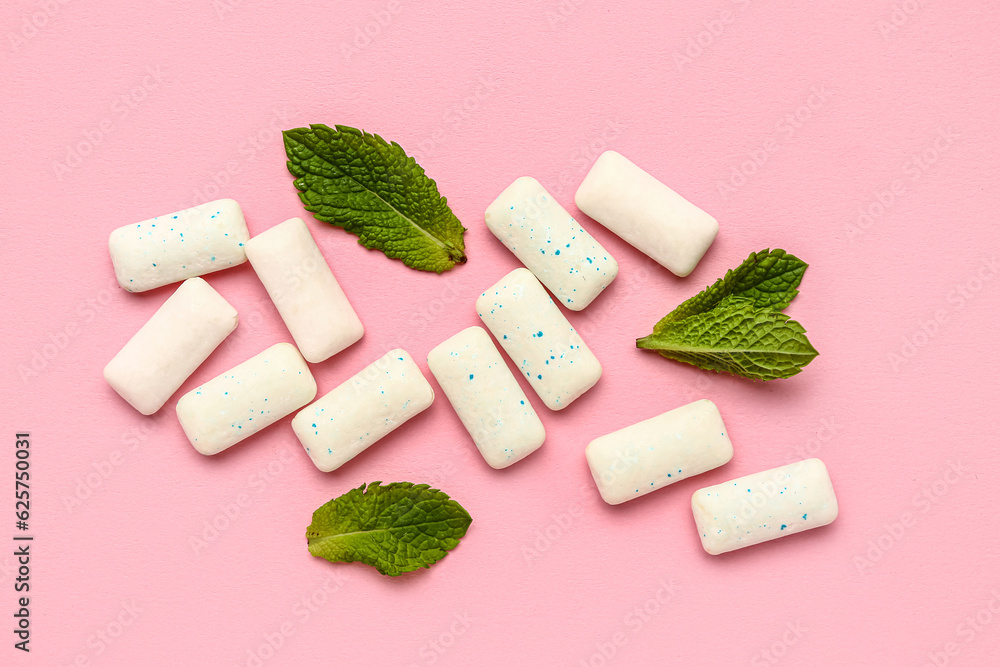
{"points": [[359, 412], [487, 397], [539, 339], [304, 290], [646, 213], [547, 240], [657, 452], [178, 246], [171, 345], [764, 506], [245, 399]]}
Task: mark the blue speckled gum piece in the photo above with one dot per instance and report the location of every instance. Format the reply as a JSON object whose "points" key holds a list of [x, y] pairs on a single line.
{"points": [[487, 397], [363, 410], [539, 339], [177, 246], [245, 399], [657, 452], [764, 506], [545, 237]]}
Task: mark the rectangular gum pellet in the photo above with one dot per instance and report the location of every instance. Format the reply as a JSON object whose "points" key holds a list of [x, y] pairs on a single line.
{"points": [[487, 397], [657, 452], [177, 246], [764, 506], [539, 339], [246, 399], [362, 410], [304, 290], [646, 213], [171, 345], [547, 240]]}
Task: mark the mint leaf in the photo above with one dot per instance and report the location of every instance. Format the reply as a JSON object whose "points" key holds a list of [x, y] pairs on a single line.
{"points": [[371, 188], [735, 337], [769, 277], [395, 528]]}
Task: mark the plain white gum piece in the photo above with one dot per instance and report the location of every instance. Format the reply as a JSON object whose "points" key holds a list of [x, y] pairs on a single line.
{"points": [[764, 506], [487, 397], [304, 290], [539, 339], [177, 246], [246, 399], [654, 453], [171, 345], [362, 410], [646, 213], [545, 237]]}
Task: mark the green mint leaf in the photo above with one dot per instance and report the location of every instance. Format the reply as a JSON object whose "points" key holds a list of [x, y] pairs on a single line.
{"points": [[371, 188], [736, 337], [769, 277], [395, 528]]}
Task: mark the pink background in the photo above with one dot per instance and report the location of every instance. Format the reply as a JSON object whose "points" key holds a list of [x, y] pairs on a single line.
{"points": [[903, 394]]}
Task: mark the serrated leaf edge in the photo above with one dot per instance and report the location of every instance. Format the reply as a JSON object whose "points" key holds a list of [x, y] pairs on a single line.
{"points": [[754, 257], [378, 485], [455, 254]]}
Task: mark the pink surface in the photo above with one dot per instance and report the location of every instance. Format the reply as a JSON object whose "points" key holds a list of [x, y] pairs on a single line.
{"points": [[886, 107]]}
